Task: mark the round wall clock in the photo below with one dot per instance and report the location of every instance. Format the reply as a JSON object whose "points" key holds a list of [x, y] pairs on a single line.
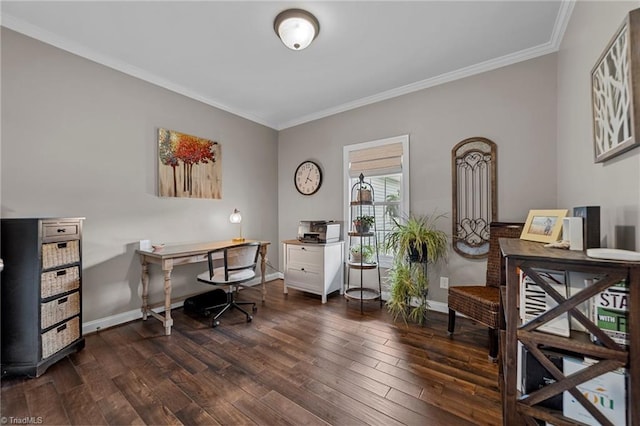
{"points": [[308, 178]]}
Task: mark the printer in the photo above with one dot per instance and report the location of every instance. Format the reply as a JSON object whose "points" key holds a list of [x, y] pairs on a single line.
{"points": [[318, 231]]}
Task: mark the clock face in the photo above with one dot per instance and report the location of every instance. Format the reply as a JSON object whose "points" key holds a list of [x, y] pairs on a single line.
{"points": [[308, 178]]}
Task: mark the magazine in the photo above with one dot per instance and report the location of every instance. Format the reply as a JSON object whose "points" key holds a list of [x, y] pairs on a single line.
{"points": [[534, 301]]}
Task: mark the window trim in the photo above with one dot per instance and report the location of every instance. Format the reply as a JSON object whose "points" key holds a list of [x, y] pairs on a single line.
{"points": [[385, 261]]}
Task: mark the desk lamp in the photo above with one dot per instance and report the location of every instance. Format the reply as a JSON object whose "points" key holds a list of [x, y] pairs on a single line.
{"points": [[236, 217]]}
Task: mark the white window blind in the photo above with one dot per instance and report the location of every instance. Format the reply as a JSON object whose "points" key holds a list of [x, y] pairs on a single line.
{"points": [[377, 160]]}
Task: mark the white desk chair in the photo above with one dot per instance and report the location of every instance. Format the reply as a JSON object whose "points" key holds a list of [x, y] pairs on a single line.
{"points": [[239, 266]]}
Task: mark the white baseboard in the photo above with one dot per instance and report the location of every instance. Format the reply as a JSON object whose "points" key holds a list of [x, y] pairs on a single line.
{"points": [[438, 307], [433, 305], [123, 317]]}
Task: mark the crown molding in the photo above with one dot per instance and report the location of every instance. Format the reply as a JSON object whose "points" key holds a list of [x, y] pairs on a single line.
{"points": [[560, 26], [78, 49], [469, 71], [562, 21]]}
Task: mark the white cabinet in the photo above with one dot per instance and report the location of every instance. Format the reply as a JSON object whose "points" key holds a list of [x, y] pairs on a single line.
{"points": [[314, 268]]}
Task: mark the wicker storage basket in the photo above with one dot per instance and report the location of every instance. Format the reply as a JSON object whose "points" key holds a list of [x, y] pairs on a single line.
{"points": [[59, 309], [58, 254], [60, 281], [59, 337]]}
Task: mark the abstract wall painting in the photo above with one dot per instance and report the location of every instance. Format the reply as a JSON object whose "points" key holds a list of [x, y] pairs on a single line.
{"points": [[615, 92], [188, 166]]}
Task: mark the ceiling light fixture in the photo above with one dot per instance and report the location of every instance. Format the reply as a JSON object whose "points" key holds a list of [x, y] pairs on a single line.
{"points": [[296, 28]]}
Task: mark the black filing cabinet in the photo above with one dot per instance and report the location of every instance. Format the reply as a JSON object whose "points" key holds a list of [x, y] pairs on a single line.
{"points": [[41, 293]]}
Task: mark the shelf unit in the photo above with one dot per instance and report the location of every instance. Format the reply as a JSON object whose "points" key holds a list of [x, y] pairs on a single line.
{"points": [[41, 293], [529, 257], [361, 204]]}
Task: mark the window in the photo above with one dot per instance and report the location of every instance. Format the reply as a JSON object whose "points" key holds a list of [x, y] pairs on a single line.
{"points": [[385, 165]]}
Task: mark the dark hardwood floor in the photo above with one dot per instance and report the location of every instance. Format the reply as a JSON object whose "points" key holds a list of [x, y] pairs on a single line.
{"points": [[299, 362]]}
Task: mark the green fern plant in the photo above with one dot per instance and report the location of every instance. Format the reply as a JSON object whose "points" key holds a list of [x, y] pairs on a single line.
{"points": [[407, 278], [408, 292], [418, 234]]}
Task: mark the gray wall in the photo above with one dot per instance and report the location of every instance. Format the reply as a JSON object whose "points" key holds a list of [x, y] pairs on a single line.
{"points": [[615, 184], [79, 139], [514, 106]]}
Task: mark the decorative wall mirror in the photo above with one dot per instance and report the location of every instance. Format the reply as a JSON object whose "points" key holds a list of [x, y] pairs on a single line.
{"points": [[473, 173]]}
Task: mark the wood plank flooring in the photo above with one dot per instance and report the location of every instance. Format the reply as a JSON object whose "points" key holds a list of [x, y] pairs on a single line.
{"points": [[299, 362]]}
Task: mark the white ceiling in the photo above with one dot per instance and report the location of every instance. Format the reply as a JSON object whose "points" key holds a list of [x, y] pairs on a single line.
{"points": [[226, 54]]}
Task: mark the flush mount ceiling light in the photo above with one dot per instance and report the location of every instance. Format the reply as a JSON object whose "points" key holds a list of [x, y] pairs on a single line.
{"points": [[296, 28]]}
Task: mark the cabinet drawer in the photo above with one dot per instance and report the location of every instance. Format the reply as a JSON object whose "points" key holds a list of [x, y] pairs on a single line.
{"points": [[59, 309], [60, 337], [60, 231], [303, 278], [58, 254], [305, 255], [59, 281]]}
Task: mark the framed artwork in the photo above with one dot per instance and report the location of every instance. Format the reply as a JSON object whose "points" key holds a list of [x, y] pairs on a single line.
{"points": [[543, 225], [615, 92], [474, 195], [188, 166]]}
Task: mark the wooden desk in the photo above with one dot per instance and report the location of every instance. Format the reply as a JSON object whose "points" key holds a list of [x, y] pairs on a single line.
{"points": [[175, 255]]}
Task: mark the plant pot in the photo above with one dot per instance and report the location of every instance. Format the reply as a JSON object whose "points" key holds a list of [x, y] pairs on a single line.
{"points": [[356, 258], [362, 228], [364, 195], [414, 255]]}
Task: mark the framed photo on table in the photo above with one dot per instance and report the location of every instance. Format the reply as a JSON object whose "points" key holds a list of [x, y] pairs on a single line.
{"points": [[615, 92], [543, 226]]}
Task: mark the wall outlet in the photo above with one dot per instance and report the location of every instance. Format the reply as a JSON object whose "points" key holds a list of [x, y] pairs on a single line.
{"points": [[444, 282]]}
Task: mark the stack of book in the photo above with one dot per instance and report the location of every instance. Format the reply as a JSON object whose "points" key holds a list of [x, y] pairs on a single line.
{"points": [[607, 392], [609, 311]]}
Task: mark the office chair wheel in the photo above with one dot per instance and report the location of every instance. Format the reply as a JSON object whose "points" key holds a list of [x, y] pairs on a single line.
{"points": [[255, 308], [249, 318], [215, 323]]}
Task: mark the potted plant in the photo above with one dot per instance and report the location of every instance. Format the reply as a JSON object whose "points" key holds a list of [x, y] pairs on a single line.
{"points": [[415, 243], [363, 223], [408, 292], [418, 239], [363, 195], [361, 253]]}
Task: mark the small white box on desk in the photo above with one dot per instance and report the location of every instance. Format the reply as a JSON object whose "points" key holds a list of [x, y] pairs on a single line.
{"points": [[145, 245], [572, 232]]}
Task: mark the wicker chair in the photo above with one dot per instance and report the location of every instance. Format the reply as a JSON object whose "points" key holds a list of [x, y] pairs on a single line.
{"points": [[482, 302]]}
